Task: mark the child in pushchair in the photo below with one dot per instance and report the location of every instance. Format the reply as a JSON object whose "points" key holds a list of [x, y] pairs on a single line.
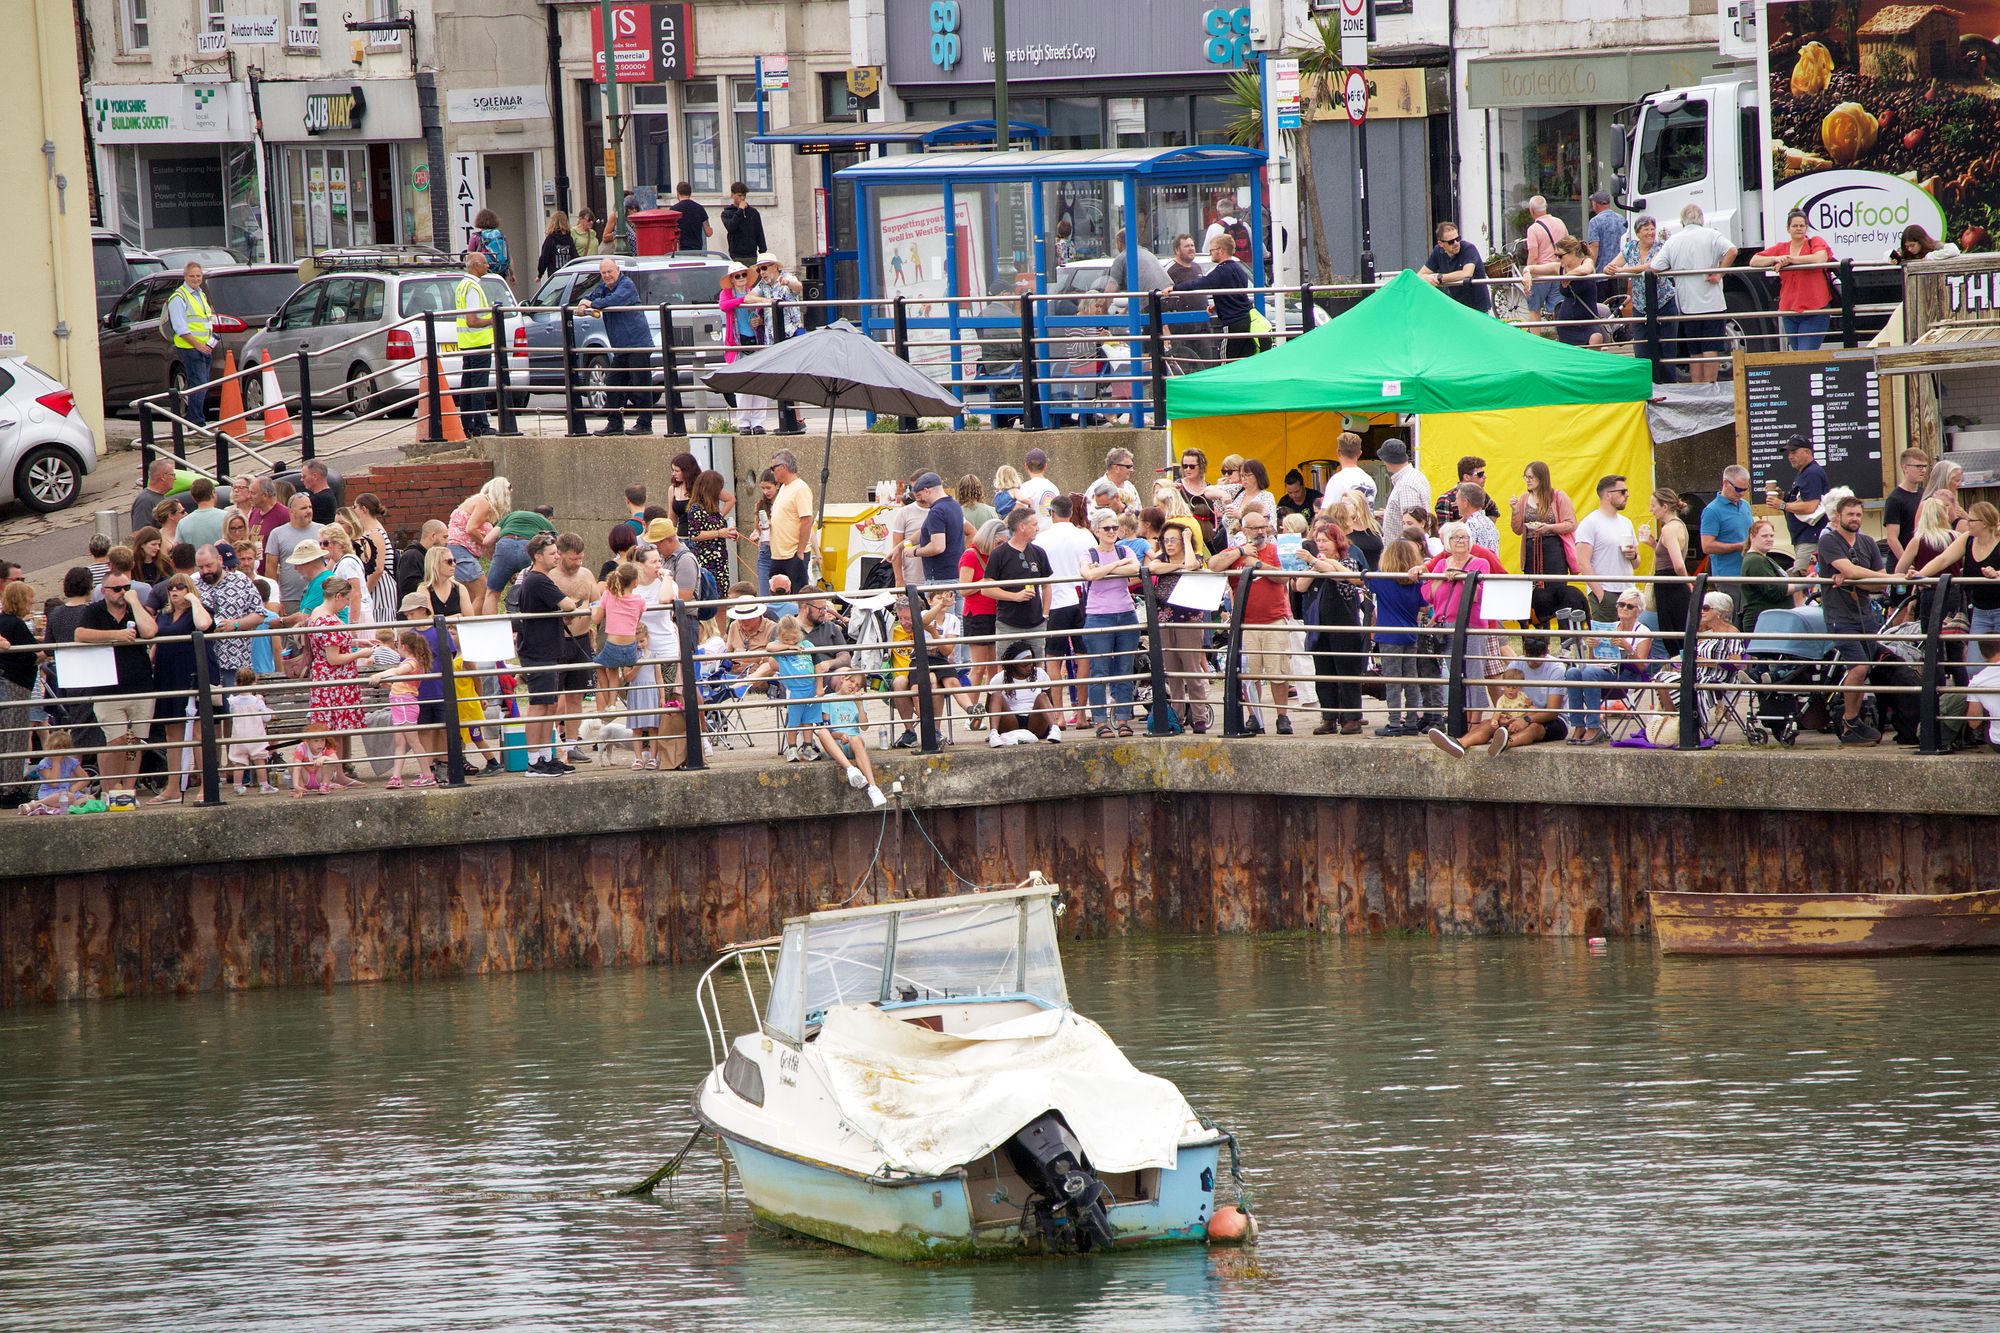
{"points": [[1780, 654]]}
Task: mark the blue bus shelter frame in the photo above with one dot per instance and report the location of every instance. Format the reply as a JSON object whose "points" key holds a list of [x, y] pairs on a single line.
{"points": [[1128, 168]]}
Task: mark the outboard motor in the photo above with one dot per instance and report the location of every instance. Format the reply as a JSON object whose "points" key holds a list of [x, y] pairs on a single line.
{"points": [[1051, 1162]]}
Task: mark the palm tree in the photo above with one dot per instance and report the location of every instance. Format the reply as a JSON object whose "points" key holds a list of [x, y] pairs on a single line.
{"points": [[1319, 67]]}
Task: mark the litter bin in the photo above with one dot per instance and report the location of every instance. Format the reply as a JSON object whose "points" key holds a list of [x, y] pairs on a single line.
{"points": [[108, 522], [656, 231], [853, 539]]}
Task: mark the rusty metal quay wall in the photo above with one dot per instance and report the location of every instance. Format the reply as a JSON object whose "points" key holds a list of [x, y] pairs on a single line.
{"points": [[615, 870]]}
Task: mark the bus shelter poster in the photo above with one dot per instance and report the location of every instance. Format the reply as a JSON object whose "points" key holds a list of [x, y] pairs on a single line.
{"points": [[1862, 90], [911, 237]]}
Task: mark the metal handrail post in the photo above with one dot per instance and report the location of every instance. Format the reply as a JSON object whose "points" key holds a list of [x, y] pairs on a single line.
{"points": [[572, 405], [1156, 659], [1656, 351], [204, 708], [178, 431], [1850, 335], [1031, 381], [1461, 629], [689, 626], [670, 374], [221, 452], [1927, 682], [503, 353], [920, 676], [900, 332], [1232, 666], [147, 447], [433, 376], [1690, 710], [306, 437], [454, 744], [1156, 352]]}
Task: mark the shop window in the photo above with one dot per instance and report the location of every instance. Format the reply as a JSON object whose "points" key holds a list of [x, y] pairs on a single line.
{"points": [[134, 33], [1211, 119], [1076, 122], [1167, 122], [838, 103], [701, 127], [1541, 153], [753, 160]]}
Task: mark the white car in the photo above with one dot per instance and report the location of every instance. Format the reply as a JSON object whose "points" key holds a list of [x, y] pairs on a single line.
{"points": [[46, 450]]}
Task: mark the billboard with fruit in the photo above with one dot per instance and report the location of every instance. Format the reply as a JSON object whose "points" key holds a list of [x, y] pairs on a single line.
{"points": [[1910, 91]]}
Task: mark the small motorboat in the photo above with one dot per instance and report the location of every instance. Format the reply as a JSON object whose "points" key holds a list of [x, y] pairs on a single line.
{"points": [[917, 1086], [1847, 925]]}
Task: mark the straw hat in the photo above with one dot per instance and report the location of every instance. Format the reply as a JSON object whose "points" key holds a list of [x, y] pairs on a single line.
{"points": [[305, 553], [746, 613], [659, 530], [736, 266], [766, 257]]}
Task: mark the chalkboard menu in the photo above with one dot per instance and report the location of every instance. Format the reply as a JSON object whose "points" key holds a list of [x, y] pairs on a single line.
{"points": [[1835, 404]]}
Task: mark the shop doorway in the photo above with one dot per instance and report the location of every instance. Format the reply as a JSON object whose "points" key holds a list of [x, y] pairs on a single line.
{"points": [[511, 194]]}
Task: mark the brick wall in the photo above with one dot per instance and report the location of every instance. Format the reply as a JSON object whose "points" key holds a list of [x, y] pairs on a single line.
{"points": [[413, 492]]}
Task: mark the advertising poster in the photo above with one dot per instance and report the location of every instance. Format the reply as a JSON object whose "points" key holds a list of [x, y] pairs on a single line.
{"points": [[1884, 116], [912, 258]]}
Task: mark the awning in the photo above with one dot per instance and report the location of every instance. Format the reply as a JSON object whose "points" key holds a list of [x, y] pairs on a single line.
{"points": [[1942, 349], [848, 136]]}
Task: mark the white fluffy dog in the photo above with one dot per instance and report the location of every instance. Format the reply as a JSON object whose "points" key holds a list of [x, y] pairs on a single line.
{"points": [[600, 735]]}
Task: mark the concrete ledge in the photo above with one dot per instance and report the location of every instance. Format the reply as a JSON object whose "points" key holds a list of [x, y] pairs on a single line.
{"points": [[615, 800]]}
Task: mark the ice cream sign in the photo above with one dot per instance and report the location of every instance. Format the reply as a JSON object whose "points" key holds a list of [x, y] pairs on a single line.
{"points": [[1860, 214]]}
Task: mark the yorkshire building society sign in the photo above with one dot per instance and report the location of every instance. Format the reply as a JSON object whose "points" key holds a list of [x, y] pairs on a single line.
{"points": [[169, 113], [525, 102]]}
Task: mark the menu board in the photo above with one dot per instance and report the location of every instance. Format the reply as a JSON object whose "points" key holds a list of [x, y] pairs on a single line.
{"points": [[1834, 403]]}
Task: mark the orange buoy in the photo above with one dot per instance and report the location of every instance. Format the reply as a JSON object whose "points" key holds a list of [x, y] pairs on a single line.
{"points": [[1231, 1226]]}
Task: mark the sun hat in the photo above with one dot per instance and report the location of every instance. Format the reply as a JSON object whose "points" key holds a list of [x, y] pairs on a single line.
{"points": [[305, 553], [736, 266], [766, 257], [1393, 451], [746, 613], [660, 529]]}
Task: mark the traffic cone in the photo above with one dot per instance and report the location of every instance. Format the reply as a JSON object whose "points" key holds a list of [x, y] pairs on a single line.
{"points": [[433, 384], [230, 404], [277, 421]]}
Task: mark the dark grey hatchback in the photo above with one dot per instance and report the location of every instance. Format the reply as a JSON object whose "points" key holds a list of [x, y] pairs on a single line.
{"points": [[687, 282]]}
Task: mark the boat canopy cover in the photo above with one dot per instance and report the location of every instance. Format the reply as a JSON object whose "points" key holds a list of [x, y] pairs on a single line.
{"points": [[935, 1101]]}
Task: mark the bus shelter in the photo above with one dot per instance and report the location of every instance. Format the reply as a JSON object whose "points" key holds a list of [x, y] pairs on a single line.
{"points": [[960, 236]]}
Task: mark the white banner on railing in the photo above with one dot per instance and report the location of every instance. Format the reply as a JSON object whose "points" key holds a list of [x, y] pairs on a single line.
{"points": [[88, 667], [1199, 592]]}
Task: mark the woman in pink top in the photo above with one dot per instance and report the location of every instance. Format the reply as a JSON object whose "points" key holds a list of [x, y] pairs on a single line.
{"points": [[470, 534], [618, 611], [1110, 626], [1804, 294], [1445, 589]]}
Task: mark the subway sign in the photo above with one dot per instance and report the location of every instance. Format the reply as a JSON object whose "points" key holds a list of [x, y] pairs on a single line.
{"points": [[327, 113]]}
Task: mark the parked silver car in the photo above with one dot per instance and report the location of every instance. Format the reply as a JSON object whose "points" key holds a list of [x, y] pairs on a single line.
{"points": [[363, 334], [46, 450]]}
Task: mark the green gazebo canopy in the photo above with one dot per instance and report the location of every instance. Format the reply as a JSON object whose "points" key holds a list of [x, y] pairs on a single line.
{"points": [[1411, 348]]}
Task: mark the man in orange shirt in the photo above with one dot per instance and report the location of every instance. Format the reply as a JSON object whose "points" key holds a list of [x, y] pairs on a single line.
{"points": [[1544, 230], [791, 520]]}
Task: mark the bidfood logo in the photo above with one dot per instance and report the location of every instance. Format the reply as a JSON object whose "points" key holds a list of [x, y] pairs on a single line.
{"points": [[1860, 214]]}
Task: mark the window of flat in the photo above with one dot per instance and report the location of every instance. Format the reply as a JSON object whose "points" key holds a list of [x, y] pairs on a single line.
{"points": [[753, 160], [701, 121], [133, 30]]}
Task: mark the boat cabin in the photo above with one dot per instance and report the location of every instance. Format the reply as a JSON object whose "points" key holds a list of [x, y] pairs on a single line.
{"points": [[954, 964]]}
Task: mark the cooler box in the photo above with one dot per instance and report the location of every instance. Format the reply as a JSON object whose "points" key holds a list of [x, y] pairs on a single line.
{"points": [[852, 538], [656, 231]]}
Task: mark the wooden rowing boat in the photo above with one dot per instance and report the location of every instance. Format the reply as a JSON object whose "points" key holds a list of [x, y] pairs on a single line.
{"points": [[1833, 925]]}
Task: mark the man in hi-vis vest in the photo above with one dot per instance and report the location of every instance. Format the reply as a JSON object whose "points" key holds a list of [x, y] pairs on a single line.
{"points": [[191, 319], [475, 344]]}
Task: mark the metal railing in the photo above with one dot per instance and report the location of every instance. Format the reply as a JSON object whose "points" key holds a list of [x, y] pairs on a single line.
{"points": [[1034, 361], [915, 677]]}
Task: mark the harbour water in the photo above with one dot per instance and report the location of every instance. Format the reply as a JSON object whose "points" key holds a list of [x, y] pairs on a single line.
{"points": [[1465, 1133]]}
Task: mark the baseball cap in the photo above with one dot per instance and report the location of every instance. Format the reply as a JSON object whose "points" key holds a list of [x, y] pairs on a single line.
{"points": [[1601, 197], [1037, 458], [1394, 451], [926, 481]]}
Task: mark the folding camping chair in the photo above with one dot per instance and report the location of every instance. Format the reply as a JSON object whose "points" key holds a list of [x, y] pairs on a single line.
{"points": [[717, 681]]}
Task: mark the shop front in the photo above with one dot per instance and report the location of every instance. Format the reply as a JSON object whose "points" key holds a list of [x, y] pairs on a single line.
{"points": [[1091, 74], [1547, 123], [178, 165], [348, 165]]}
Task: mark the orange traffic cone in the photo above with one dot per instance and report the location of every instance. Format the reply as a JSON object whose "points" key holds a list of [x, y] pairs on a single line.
{"points": [[454, 432], [277, 421], [230, 405]]}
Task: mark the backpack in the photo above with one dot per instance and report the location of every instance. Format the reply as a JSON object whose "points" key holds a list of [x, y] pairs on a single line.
{"points": [[706, 589], [494, 246], [1238, 232]]}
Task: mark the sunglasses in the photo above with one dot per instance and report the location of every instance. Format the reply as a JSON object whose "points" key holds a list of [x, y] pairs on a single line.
{"points": [[1190, 467], [116, 587]]}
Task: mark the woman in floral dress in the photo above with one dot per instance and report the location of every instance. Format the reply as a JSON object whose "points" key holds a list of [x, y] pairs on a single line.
{"points": [[335, 698], [709, 530]]}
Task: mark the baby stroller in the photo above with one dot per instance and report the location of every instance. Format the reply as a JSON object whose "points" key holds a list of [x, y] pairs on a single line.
{"points": [[1777, 656], [717, 682]]}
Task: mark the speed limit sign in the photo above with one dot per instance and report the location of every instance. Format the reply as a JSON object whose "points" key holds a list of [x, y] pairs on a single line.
{"points": [[1357, 96]]}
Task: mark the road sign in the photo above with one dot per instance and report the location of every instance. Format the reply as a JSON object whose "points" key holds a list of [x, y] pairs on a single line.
{"points": [[1285, 93], [1354, 32], [864, 81], [777, 73], [1357, 96]]}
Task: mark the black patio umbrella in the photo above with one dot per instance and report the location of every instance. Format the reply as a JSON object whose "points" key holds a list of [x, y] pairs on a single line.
{"points": [[837, 366]]}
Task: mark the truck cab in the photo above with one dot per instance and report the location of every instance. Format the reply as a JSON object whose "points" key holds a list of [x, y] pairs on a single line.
{"points": [[1697, 146]]}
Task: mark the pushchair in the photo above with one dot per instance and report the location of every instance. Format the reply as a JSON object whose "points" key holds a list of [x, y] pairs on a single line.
{"points": [[718, 682], [1776, 655]]}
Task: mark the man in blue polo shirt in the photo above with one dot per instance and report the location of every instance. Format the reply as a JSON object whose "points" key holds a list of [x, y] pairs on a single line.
{"points": [[615, 298], [1801, 502], [1725, 528]]}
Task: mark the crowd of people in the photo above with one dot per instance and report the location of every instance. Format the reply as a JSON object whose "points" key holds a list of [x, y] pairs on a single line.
{"points": [[334, 651]]}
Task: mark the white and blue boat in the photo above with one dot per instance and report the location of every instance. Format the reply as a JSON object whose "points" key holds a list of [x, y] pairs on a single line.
{"points": [[917, 1086]]}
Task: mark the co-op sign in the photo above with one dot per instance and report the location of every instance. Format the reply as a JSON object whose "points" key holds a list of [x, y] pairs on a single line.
{"points": [[1860, 214]]}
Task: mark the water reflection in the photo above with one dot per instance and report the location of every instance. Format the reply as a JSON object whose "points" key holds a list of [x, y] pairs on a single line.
{"points": [[1496, 1133]]}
